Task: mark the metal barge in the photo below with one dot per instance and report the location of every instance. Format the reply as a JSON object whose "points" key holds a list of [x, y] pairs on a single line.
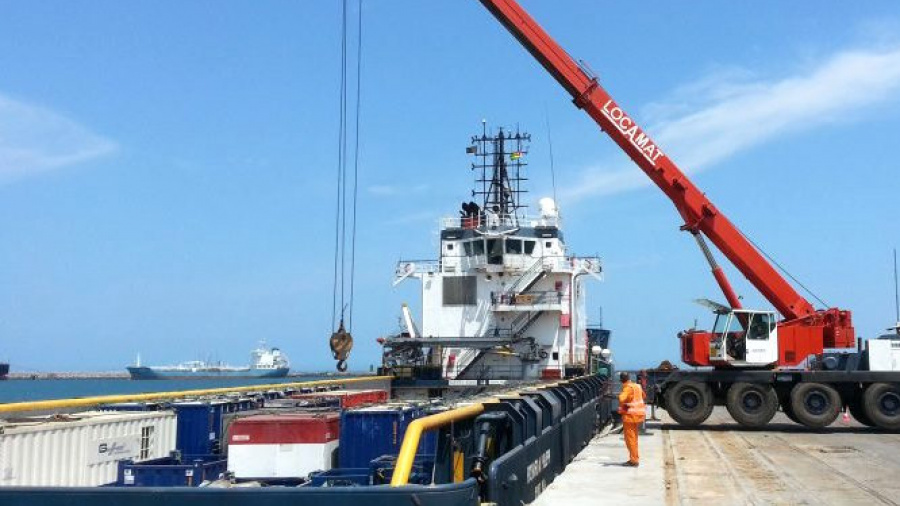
{"points": [[503, 449]]}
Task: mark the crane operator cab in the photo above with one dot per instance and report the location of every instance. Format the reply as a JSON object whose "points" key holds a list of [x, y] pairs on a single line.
{"points": [[744, 337], [740, 338]]}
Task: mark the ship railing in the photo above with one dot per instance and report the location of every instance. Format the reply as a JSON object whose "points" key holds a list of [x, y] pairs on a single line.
{"points": [[492, 221], [529, 298]]}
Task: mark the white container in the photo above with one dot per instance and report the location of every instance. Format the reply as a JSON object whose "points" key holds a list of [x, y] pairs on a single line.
{"points": [[81, 449], [884, 354]]}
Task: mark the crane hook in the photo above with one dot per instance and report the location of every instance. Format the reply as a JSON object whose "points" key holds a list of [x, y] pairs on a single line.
{"points": [[341, 343]]}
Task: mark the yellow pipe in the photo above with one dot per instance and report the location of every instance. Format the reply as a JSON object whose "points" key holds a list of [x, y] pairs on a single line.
{"points": [[414, 432], [104, 399]]}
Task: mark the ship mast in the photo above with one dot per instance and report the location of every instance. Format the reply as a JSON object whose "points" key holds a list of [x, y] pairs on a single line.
{"points": [[499, 162]]}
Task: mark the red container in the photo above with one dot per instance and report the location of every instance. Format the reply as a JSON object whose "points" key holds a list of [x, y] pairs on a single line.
{"points": [[289, 445], [348, 398]]}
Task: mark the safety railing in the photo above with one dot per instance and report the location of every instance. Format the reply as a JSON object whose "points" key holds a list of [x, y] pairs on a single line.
{"points": [[488, 220], [530, 298]]}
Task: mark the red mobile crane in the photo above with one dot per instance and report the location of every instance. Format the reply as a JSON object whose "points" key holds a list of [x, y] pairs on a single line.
{"points": [[749, 351]]}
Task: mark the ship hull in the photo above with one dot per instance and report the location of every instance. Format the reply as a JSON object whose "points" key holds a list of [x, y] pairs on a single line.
{"points": [[4, 371], [151, 373]]}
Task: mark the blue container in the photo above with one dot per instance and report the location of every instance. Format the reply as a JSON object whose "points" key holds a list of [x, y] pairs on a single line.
{"points": [[369, 433], [173, 471], [200, 424]]}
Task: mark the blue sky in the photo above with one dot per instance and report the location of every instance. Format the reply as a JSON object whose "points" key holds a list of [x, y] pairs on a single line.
{"points": [[167, 168]]}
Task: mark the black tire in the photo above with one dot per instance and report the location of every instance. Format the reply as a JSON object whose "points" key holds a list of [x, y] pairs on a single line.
{"points": [[751, 405], [859, 413], [689, 402], [815, 405], [881, 403]]}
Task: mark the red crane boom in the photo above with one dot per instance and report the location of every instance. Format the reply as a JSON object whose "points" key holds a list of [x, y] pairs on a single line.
{"points": [[805, 328]]}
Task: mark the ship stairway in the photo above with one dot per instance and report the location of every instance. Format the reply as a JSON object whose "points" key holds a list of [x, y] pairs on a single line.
{"points": [[528, 279], [530, 319], [512, 334]]}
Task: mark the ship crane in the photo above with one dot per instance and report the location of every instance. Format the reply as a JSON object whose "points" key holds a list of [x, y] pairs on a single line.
{"points": [[747, 349]]}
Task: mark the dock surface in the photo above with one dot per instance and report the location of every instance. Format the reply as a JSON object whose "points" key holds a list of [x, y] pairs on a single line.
{"points": [[721, 462]]}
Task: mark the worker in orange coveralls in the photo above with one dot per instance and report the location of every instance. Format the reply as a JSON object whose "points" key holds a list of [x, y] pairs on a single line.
{"points": [[631, 407]]}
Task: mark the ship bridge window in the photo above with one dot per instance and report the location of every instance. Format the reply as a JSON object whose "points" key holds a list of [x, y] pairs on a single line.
{"points": [[529, 247], [449, 246], [460, 291], [474, 248], [495, 251], [514, 246]]}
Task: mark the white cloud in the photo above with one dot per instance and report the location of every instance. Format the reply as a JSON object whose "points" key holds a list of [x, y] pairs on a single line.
{"points": [[34, 140], [708, 121]]}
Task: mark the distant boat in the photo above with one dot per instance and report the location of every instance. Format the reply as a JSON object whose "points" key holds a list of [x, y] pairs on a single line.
{"points": [[4, 370], [264, 363]]}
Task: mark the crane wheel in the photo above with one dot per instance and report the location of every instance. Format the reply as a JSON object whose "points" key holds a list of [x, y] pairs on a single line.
{"points": [[750, 404], [815, 405], [881, 403], [855, 407], [689, 402]]}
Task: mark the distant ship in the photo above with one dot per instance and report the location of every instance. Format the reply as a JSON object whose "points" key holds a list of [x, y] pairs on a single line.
{"points": [[4, 370], [264, 363]]}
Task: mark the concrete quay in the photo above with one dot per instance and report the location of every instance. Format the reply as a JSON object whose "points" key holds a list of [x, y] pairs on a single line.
{"points": [[721, 462]]}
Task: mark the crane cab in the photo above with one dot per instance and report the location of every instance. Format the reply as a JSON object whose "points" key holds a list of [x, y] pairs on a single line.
{"points": [[740, 338]]}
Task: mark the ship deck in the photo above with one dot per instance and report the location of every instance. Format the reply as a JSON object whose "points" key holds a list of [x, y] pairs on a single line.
{"points": [[723, 463]]}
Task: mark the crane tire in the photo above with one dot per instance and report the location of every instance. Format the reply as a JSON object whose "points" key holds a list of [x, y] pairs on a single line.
{"points": [[751, 404], [689, 402], [816, 405], [881, 403], [856, 408]]}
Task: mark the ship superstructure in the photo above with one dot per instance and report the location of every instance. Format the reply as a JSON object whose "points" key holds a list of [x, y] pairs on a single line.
{"points": [[505, 299]]}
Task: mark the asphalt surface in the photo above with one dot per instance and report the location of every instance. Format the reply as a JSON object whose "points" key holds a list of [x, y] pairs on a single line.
{"points": [[721, 462]]}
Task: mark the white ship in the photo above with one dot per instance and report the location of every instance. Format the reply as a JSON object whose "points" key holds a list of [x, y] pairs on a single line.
{"points": [[264, 363], [505, 299]]}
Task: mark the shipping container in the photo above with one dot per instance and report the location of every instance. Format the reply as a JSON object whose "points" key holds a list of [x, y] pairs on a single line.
{"points": [[346, 399], [80, 450], [172, 471], [290, 445], [201, 423], [135, 406], [369, 433]]}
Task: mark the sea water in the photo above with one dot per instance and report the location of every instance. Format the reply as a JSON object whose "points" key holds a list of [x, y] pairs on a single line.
{"points": [[42, 389]]}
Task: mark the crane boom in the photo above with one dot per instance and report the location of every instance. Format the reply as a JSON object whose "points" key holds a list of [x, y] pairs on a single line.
{"points": [[805, 330], [698, 212]]}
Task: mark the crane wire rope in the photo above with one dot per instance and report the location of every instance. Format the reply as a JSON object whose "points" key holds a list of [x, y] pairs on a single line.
{"points": [[339, 202], [550, 145], [785, 271], [341, 341], [359, 37]]}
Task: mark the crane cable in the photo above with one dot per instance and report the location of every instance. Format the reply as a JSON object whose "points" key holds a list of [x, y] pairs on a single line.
{"points": [[785, 271], [341, 341]]}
